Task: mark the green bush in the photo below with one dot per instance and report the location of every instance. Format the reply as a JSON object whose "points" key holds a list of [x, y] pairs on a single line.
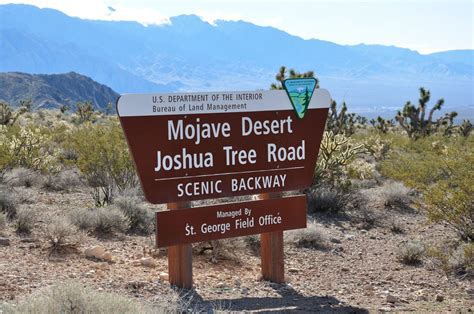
{"points": [[457, 259], [442, 169], [104, 160], [336, 153]]}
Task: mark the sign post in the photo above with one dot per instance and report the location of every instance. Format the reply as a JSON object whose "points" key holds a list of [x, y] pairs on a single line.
{"points": [[194, 146]]}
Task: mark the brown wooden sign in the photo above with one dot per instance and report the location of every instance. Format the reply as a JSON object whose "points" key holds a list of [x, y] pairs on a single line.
{"points": [[195, 146], [229, 220]]}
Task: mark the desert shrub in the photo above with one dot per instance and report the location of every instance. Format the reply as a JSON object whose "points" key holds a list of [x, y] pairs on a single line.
{"points": [[367, 218], [83, 218], [23, 177], [442, 169], [110, 220], [324, 199], [141, 219], [411, 252], [361, 169], [221, 249], [73, 297], [3, 221], [30, 147], [8, 204], [25, 220], [396, 227], [394, 194], [451, 199], [104, 160], [66, 180], [102, 221], [336, 152], [454, 259], [377, 147], [309, 237], [62, 236]]}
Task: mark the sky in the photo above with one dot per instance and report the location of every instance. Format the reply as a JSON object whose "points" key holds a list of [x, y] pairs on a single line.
{"points": [[423, 25]]}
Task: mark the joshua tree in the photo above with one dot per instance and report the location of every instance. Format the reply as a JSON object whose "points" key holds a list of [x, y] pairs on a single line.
{"points": [[381, 124], [465, 128], [282, 75], [340, 122], [413, 119]]}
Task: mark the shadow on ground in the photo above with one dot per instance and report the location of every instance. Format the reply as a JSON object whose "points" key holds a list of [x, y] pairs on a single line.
{"points": [[289, 300]]}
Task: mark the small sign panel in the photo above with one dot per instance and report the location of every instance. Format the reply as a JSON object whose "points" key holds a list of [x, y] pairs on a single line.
{"points": [[229, 220], [192, 146]]}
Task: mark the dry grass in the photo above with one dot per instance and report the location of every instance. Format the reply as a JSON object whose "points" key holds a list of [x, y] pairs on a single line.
{"points": [[62, 236], [411, 252], [25, 220], [309, 237]]}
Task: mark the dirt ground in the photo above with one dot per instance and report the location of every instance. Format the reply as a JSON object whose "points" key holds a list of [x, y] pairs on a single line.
{"points": [[357, 271]]}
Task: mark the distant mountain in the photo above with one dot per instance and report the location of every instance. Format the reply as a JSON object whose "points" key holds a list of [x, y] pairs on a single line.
{"points": [[52, 91], [189, 54]]}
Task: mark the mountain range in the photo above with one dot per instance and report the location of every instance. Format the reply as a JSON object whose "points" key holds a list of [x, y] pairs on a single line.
{"points": [[189, 54], [53, 90]]}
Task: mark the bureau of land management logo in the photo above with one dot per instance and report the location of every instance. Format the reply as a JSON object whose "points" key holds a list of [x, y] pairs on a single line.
{"points": [[300, 91]]}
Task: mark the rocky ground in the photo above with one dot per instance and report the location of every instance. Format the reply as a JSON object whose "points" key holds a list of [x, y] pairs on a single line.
{"points": [[355, 271]]}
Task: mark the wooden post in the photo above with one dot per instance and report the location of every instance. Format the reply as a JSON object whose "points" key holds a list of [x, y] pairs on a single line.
{"points": [[271, 253], [180, 258]]}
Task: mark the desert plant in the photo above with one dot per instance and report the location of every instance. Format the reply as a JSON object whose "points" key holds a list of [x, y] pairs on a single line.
{"points": [[454, 259], [394, 194], [451, 199], [104, 160], [85, 112], [413, 119], [335, 153], [382, 125], [411, 252], [309, 237], [465, 128], [110, 220], [65, 180], [8, 116], [282, 75], [340, 122], [3, 221], [325, 199], [141, 219], [23, 177], [222, 249], [25, 220], [62, 236], [73, 297], [8, 204], [83, 218], [377, 146]]}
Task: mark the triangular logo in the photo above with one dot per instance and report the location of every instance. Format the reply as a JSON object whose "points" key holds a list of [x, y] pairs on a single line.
{"points": [[300, 91]]}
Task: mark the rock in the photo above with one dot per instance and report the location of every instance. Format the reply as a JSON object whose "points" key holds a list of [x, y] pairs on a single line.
{"points": [[389, 277], [29, 240], [108, 257], [147, 262], [95, 252], [4, 241], [345, 269], [293, 270], [391, 298], [334, 240], [439, 298], [164, 276], [350, 237]]}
